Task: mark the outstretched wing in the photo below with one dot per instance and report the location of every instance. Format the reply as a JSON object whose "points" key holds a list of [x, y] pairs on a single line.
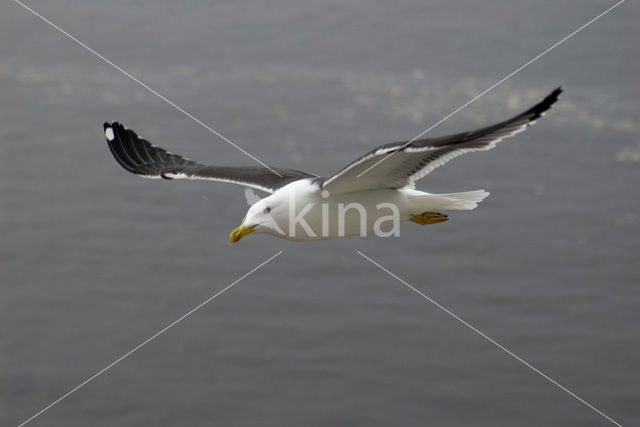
{"points": [[401, 164], [142, 158]]}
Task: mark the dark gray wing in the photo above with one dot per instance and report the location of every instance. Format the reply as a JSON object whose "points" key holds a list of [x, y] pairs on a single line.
{"points": [[401, 164], [142, 158]]}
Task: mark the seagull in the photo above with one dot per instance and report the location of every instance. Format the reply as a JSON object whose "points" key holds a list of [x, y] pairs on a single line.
{"points": [[372, 194]]}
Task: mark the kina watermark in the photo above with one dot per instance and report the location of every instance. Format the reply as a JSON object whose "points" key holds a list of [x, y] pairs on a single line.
{"points": [[299, 216]]}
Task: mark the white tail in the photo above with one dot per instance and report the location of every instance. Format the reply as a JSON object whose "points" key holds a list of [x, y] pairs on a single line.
{"points": [[453, 201]]}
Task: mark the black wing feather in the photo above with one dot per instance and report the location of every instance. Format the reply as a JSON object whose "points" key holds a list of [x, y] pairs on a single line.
{"points": [[139, 156], [400, 164]]}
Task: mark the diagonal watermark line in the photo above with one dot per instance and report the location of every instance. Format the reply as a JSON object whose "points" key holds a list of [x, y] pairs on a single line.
{"points": [[143, 343], [144, 85], [493, 86], [492, 341]]}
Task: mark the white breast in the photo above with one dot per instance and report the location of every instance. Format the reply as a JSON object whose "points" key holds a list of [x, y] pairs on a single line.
{"points": [[312, 215]]}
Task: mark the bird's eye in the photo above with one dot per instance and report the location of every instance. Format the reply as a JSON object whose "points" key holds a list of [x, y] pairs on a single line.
{"points": [[266, 210]]}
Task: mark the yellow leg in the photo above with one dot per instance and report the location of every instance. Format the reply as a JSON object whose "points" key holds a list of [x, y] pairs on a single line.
{"points": [[426, 218]]}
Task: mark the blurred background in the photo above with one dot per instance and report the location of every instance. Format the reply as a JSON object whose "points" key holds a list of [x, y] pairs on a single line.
{"points": [[94, 260]]}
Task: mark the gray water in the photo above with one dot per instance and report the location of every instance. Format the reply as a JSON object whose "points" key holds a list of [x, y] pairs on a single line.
{"points": [[94, 260]]}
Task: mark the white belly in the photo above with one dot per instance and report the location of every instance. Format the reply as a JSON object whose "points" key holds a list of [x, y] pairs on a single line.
{"points": [[351, 214], [304, 213]]}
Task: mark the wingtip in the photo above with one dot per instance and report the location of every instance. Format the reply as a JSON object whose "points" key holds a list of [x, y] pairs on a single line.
{"points": [[111, 127], [553, 96], [544, 105], [111, 124], [108, 132]]}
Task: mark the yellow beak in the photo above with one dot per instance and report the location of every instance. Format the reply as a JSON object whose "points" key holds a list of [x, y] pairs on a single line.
{"points": [[240, 232]]}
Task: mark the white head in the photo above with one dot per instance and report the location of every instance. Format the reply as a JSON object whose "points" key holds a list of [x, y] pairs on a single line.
{"points": [[271, 215], [267, 215]]}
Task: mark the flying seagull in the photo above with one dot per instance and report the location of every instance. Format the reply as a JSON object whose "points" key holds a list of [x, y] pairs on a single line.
{"points": [[371, 194]]}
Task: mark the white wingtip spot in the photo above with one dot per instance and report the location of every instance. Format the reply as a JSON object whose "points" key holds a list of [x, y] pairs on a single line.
{"points": [[108, 132]]}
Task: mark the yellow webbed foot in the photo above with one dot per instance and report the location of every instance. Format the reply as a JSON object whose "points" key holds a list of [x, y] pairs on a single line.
{"points": [[426, 218]]}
